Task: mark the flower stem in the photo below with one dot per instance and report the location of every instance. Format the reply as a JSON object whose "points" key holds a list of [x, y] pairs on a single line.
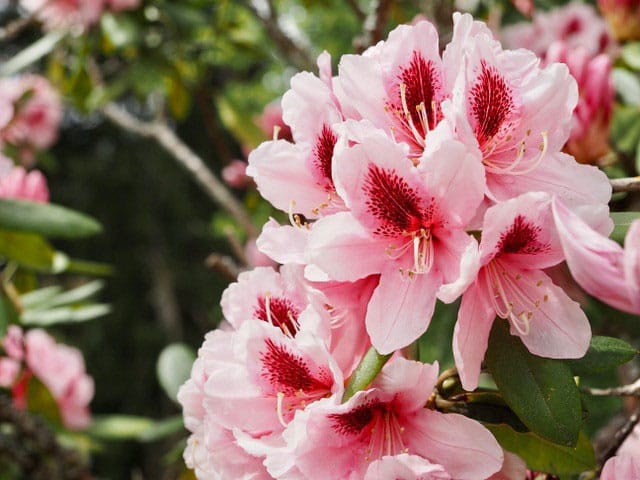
{"points": [[365, 373]]}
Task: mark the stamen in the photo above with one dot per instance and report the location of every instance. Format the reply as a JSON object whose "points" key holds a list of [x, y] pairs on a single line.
{"points": [[522, 322], [280, 402], [276, 131], [267, 307], [407, 113]]}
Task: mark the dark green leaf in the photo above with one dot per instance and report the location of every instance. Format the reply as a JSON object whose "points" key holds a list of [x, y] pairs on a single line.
{"points": [[8, 314], [540, 391], [622, 221], [174, 367], [45, 219], [625, 128], [544, 456], [604, 354]]}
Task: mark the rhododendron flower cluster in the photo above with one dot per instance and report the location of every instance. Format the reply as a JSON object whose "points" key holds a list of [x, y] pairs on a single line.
{"points": [[412, 176], [60, 368], [56, 14]]}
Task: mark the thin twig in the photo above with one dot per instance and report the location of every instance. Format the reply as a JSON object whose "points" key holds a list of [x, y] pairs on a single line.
{"points": [[168, 140], [224, 265], [620, 436], [631, 390], [288, 48], [374, 23], [630, 184]]}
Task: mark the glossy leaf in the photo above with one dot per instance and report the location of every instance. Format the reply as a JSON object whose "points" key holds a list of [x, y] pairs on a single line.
{"points": [[31, 251], [541, 391], [544, 456], [174, 367], [605, 353], [45, 219]]}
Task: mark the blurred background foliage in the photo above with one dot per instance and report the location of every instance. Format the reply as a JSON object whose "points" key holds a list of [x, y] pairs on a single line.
{"points": [[207, 68]]}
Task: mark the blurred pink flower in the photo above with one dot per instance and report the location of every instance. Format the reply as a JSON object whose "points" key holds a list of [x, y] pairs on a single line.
{"points": [[513, 468], [271, 119], [9, 370], [235, 174], [623, 17], [60, 14], [622, 467], [589, 140], [61, 369], [119, 5], [576, 24], [13, 344], [37, 112], [27, 186]]}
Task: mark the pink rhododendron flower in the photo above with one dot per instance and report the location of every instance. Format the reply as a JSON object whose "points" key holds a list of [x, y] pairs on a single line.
{"points": [[61, 369], [37, 112], [621, 467], [255, 258], [513, 468], [119, 5], [623, 17], [405, 223], [589, 140], [235, 174], [9, 370], [271, 122], [389, 419], [631, 444], [27, 186], [576, 24], [599, 265], [58, 14], [518, 242], [297, 177], [12, 343]]}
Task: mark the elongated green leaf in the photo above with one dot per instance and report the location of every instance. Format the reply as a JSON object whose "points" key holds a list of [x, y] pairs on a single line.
{"points": [[40, 400], [39, 297], [174, 367], [31, 251], [365, 373], [119, 427], [544, 456], [162, 428], [540, 391], [32, 53], [622, 221], [8, 314], [45, 219], [45, 318], [604, 354]]}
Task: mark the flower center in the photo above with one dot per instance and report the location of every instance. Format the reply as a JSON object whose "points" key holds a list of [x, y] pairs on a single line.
{"points": [[279, 312]]}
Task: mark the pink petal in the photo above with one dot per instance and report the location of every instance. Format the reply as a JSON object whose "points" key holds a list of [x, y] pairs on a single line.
{"points": [[405, 467], [632, 263], [471, 334], [400, 309], [411, 382], [462, 446], [283, 243], [621, 467]]}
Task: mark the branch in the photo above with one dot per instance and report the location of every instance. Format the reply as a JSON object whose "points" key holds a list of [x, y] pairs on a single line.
{"points": [[373, 25], [630, 184], [620, 436], [167, 139], [631, 390], [287, 46], [15, 27]]}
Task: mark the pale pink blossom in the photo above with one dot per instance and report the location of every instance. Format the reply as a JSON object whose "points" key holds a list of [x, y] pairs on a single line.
{"points": [[589, 140], [622, 467], [599, 265], [297, 177], [631, 444], [19, 183], [272, 124], [405, 223], [37, 112], [256, 258], [519, 116], [61, 14], [576, 24], [120, 5], [61, 369], [518, 241], [513, 468], [341, 441], [12, 343]]}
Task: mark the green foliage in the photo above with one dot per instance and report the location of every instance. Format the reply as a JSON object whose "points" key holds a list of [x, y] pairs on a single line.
{"points": [[31, 251], [130, 427], [540, 391], [544, 456], [622, 221], [40, 400], [605, 353]]}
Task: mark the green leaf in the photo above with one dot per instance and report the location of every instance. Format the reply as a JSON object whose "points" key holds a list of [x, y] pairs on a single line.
{"points": [[119, 31], [631, 55], [622, 221], [40, 400], [625, 128], [544, 456], [162, 428], [38, 297], [541, 391], [31, 251], [74, 314], [45, 219], [605, 353], [32, 53], [174, 367], [119, 427], [8, 314]]}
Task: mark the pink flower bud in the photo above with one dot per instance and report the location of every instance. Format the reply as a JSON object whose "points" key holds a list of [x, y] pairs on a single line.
{"points": [[235, 174], [27, 186]]}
